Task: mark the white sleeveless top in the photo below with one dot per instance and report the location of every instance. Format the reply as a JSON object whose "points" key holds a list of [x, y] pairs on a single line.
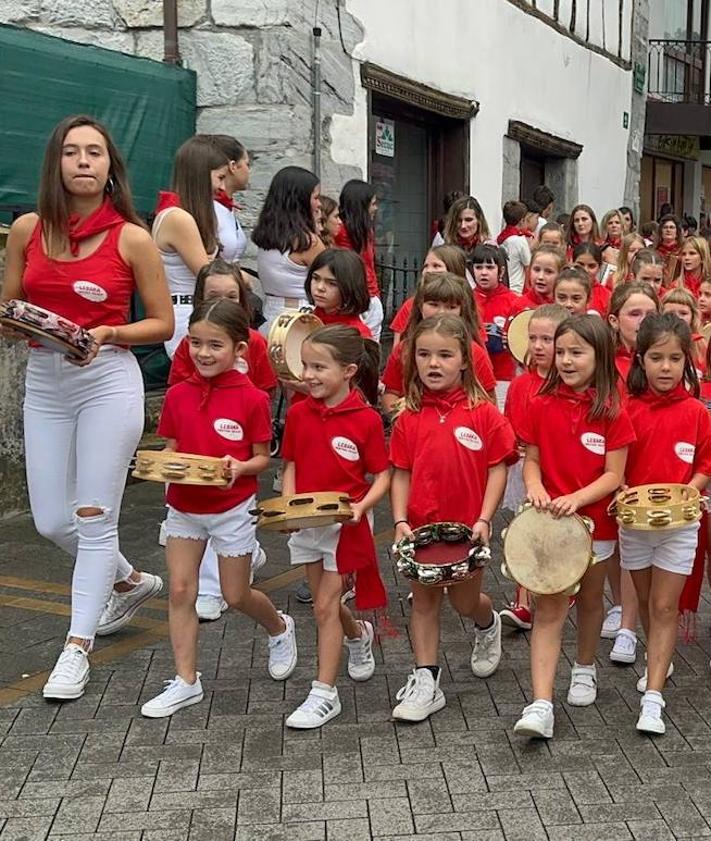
{"points": [[280, 276], [181, 281], [230, 235]]}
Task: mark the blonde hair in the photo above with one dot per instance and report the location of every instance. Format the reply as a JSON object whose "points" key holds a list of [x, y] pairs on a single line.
{"points": [[701, 247], [623, 260], [557, 254], [684, 298], [451, 327], [606, 218]]}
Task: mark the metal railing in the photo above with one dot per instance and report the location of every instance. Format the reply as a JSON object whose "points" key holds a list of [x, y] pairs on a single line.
{"points": [[678, 71], [398, 278]]}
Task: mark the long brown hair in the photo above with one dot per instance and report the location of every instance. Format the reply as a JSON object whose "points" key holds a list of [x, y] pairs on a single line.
{"points": [[53, 200], [446, 288], [225, 313], [592, 330], [219, 266], [452, 327], [348, 347], [654, 328], [192, 166], [594, 233], [451, 235], [453, 258]]}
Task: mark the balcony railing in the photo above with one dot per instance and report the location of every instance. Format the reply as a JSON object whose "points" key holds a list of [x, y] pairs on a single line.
{"points": [[678, 71]]}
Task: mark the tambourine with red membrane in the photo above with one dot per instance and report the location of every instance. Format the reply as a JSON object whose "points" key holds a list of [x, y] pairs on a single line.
{"points": [[46, 328]]}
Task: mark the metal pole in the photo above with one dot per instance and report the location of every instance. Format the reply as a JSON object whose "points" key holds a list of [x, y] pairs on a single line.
{"points": [[316, 100], [171, 51]]}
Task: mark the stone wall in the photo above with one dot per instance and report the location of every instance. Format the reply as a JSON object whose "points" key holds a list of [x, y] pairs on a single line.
{"points": [[635, 145], [253, 61]]}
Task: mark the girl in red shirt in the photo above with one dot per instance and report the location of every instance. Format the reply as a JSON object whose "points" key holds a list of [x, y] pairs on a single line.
{"points": [[695, 263], [358, 205], [576, 445], [705, 302], [220, 279], [683, 304], [335, 285], [332, 441], [670, 423], [442, 258], [573, 290], [83, 255], [438, 293], [588, 256], [546, 264], [541, 330], [216, 412], [449, 448]]}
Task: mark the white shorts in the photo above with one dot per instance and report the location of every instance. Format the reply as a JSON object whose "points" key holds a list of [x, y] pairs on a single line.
{"points": [[603, 549], [233, 532], [673, 550], [308, 546], [502, 389]]}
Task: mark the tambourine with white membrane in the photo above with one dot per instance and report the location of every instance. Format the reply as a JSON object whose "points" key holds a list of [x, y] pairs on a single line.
{"points": [[303, 511], [179, 468], [286, 335], [441, 555], [657, 507], [517, 336], [545, 554], [46, 328]]}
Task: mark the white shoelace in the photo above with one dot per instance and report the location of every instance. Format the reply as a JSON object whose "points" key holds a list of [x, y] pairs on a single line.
{"points": [[70, 663], [415, 690], [625, 643], [280, 648], [172, 688]]}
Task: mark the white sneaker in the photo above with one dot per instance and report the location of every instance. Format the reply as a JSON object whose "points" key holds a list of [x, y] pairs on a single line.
{"points": [[70, 674], [650, 717], [209, 607], [282, 651], [176, 695], [122, 606], [321, 705], [361, 663], [536, 721], [583, 685], [486, 653], [419, 697], [259, 558], [642, 682], [162, 535], [625, 648], [348, 596], [612, 622]]}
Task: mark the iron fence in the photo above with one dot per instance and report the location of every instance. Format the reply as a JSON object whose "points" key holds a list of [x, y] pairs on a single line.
{"points": [[398, 278], [678, 71]]}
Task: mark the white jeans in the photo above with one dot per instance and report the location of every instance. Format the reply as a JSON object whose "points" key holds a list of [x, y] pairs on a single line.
{"points": [[181, 313], [82, 426], [373, 317], [274, 306]]}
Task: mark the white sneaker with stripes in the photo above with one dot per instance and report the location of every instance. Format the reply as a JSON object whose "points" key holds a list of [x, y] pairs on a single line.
{"points": [[321, 705]]}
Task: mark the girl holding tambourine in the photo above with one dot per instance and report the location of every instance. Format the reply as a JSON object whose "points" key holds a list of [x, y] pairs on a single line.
{"points": [[576, 445], [670, 422], [83, 256]]}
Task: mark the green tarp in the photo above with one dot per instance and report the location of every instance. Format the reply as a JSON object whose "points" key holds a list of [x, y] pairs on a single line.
{"points": [[149, 107]]}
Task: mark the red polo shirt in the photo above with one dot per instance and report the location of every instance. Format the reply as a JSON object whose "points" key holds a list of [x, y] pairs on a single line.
{"points": [[394, 374], [600, 300], [255, 363], [573, 448], [521, 391], [448, 449], [673, 438], [223, 415], [529, 301], [334, 448], [497, 307]]}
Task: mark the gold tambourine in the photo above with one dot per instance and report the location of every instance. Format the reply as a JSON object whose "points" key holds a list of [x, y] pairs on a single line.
{"points": [[706, 331], [517, 336], [545, 554], [179, 468], [303, 511], [286, 335], [657, 507]]}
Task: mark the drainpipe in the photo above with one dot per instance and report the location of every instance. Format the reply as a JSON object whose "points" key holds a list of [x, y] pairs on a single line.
{"points": [[170, 32], [316, 101]]}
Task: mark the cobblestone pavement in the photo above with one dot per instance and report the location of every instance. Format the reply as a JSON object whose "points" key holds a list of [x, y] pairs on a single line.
{"points": [[227, 768]]}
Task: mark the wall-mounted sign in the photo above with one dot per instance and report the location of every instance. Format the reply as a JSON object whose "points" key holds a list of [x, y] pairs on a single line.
{"points": [[385, 138], [639, 77]]}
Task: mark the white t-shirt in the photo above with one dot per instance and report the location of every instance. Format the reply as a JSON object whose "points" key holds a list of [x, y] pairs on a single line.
{"points": [[518, 255]]}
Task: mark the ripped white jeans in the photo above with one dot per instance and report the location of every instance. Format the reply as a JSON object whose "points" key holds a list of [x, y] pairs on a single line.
{"points": [[82, 426]]}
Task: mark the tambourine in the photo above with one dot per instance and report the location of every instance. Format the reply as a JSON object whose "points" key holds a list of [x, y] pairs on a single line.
{"points": [[706, 332], [441, 555], [286, 335], [547, 555], [657, 507], [303, 511], [46, 328], [179, 468], [517, 336]]}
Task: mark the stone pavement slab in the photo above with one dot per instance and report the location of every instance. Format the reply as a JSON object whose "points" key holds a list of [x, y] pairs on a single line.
{"points": [[95, 770]]}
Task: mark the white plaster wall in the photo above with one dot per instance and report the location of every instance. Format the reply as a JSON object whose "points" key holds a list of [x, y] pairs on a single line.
{"points": [[517, 67]]}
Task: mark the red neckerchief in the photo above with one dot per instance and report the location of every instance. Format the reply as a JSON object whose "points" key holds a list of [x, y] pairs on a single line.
{"points": [[692, 282], [104, 217], [535, 296], [658, 401], [667, 250], [612, 242], [166, 198], [513, 231], [222, 198], [468, 244], [444, 401], [227, 379]]}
